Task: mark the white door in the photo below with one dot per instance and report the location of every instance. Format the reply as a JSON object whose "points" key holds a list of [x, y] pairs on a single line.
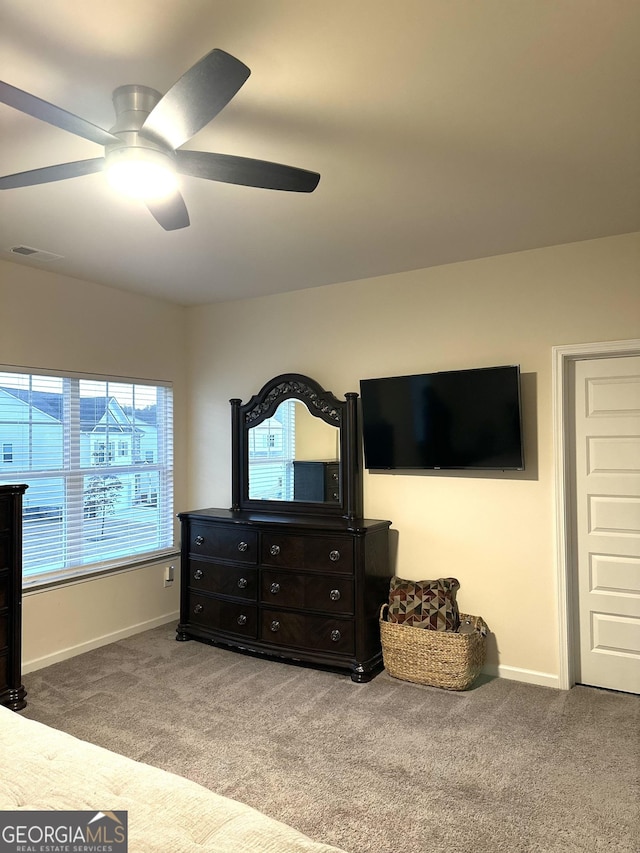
{"points": [[607, 501]]}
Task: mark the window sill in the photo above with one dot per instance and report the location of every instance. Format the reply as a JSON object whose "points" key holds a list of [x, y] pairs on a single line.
{"points": [[84, 575]]}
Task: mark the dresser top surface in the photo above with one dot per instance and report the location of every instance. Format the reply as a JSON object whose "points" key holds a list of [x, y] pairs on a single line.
{"points": [[331, 524], [13, 489]]}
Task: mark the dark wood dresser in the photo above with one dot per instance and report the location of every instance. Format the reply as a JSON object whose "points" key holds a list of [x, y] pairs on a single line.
{"points": [[297, 587], [12, 692], [300, 578]]}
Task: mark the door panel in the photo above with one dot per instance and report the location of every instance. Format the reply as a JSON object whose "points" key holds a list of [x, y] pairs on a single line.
{"points": [[617, 575], [614, 516], [613, 454], [607, 480]]}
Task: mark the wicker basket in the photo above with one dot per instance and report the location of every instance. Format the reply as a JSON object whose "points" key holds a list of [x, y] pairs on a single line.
{"points": [[438, 658]]}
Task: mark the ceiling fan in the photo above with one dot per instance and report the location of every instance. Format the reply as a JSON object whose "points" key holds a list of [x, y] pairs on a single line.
{"points": [[147, 137]]}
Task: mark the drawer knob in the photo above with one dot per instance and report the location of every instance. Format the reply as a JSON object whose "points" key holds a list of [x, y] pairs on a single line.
{"points": [[198, 574], [242, 583], [334, 476], [334, 595], [275, 625], [242, 619], [242, 546], [335, 635], [334, 556], [275, 588], [198, 608], [274, 550], [199, 540]]}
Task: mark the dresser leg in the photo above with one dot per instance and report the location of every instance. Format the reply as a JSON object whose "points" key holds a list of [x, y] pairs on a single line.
{"points": [[361, 677], [14, 698], [361, 673]]}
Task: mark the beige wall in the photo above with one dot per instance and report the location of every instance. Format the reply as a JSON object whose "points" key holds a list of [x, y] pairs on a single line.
{"points": [[51, 321], [68, 620], [494, 532]]}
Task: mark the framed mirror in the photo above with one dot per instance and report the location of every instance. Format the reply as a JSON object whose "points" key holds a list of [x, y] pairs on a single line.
{"points": [[296, 449]]}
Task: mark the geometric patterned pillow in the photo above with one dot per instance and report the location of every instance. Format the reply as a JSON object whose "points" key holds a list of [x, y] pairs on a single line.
{"points": [[425, 604]]}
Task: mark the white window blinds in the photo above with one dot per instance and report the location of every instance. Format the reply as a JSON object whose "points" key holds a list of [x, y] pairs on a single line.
{"points": [[97, 455]]}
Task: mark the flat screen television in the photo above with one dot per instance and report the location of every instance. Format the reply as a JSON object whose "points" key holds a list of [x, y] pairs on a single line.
{"points": [[456, 419]]}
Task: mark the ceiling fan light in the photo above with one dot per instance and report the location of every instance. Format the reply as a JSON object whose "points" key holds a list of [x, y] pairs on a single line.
{"points": [[141, 173]]}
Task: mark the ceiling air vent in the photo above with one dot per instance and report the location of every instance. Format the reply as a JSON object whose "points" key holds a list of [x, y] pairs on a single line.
{"points": [[34, 254]]}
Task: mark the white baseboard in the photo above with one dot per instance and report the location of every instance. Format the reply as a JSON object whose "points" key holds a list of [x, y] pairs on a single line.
{"points": [[72, 651], [514, 673], [528, 676]]}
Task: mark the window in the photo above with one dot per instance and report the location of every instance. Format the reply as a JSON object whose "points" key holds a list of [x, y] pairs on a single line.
{"points": [[86, 448], [102, 452]]}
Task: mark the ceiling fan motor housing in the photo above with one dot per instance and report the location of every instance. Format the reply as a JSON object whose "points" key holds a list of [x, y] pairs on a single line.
{"points": [[133, 104], [136, 149]]}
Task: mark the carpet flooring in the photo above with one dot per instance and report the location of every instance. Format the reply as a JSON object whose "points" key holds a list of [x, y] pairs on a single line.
{"points": [[384, 767]]}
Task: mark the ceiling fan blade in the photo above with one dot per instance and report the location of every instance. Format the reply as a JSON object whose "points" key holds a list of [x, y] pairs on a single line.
{"points": [[171, 212], [49, 174], [56, 116], [196, 98], [245, 171]]}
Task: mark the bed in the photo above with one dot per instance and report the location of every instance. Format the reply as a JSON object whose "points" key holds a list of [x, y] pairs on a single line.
{"points": [[45, 769]]}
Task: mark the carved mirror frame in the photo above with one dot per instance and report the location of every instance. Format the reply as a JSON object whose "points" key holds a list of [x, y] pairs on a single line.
{"points": [[320, 403]]}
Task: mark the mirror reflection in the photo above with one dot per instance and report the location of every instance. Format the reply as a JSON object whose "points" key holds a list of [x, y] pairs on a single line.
{"points": [[294, 456]]}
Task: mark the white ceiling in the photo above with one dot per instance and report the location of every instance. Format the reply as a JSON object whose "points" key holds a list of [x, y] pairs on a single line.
{"points": [[444, 130]]}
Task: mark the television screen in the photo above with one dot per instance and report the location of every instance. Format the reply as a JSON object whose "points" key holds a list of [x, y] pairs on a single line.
{"points": [[453, 419]]}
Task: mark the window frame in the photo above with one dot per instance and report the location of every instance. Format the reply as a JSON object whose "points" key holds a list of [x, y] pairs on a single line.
{"points": [[71, 471]]}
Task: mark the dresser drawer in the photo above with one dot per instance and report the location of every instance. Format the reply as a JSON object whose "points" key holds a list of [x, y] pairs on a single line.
{"points": [[235, 581], [218, 615], [321, 553], [4, 631], [5, 551], [5, 512], [4, 672], [305, 631], [4, 589], [332, 483], [307, 591], [223, 543]]}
